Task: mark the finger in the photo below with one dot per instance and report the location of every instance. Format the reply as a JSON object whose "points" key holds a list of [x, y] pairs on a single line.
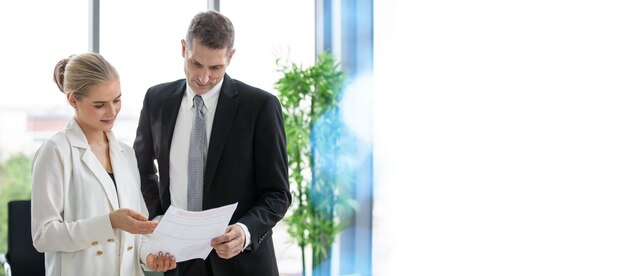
{"points": [[231, 235], [229, 228], [159, 266], [235, 245], [140, 230], [150, 261], [167, 261], [155, 264], [234, 232], [226, 253], [146, 227], [147, 231], [172, 263], [238, 238], [147, 224], [160, 261], [233, 248], [162, 265], [222, 247], [136, 215], [160, 258], [221, 239]]}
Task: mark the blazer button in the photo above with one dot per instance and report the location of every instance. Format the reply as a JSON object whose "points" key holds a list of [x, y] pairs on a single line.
{"points": [[110, 240], [94, 243], [129, 248], [99, 252]]}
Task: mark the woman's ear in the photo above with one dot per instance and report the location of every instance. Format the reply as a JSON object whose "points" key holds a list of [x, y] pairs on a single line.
{"points": [[71, 99]]}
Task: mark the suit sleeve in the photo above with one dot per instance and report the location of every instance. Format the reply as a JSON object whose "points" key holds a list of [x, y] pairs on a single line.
{"points": [[144, 151], [271, 174]]}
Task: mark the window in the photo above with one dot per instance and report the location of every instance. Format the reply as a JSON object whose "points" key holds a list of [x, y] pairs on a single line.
{"points": [[34, 40], [264, 33], [142, 40], [35, 36]]}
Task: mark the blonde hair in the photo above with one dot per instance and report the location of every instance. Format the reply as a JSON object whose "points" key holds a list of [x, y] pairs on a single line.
{"points": [[77, 73]]}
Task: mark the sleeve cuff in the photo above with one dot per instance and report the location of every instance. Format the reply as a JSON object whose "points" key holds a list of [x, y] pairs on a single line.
{"points": [[97, 228], [143, 254], [245, 230]]}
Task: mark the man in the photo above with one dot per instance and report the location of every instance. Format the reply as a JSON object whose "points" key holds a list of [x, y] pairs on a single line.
{"points": [[216, 141]]}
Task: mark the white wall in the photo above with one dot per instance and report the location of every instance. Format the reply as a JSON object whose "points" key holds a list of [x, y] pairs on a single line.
{"points": [[500, 137]]}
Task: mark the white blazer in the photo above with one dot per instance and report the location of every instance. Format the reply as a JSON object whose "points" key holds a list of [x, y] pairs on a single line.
{"points": [[72, 196]]}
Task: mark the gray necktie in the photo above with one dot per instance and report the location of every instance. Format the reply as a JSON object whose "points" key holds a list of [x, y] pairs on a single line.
{"points": [[197, 157]]}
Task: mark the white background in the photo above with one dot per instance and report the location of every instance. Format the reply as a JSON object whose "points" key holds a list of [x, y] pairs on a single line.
{"points": [[500, 139]]}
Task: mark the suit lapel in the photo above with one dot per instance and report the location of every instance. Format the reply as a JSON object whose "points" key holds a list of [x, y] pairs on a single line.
{"points": [[224, 115], [78, 139], [169, 114], [171, 105], [90, 160], [122, 176]]}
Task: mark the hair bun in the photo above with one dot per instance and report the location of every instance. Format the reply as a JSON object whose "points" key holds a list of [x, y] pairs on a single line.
{"points": [[59, 72]]}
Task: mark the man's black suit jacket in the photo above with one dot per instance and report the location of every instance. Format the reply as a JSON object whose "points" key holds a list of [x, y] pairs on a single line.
{"points": [[246, 163]]}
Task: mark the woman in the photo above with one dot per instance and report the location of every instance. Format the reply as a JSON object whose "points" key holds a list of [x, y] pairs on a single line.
{"points": [[85, 189]]}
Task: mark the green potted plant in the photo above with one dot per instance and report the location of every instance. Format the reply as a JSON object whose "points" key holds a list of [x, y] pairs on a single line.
{"points": [[310, 97]]}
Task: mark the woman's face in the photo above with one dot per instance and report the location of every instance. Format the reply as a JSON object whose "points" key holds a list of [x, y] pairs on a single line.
{"points": [[98, 109]]}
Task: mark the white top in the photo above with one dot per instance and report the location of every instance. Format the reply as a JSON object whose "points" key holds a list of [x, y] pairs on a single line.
{"points": [[72, 195]]}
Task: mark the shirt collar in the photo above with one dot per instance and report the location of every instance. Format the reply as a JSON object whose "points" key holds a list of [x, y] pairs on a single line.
{"points": [[206, 97]]}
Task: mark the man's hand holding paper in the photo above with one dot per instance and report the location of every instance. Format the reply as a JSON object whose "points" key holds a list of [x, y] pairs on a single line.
{"points": [[231, 243]]}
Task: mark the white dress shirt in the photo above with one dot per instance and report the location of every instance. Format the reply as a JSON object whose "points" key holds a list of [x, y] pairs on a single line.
{"points": [[179, 150]]}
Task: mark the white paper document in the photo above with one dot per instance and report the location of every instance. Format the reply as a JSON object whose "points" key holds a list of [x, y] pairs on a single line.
{"points": [[186, 234]]}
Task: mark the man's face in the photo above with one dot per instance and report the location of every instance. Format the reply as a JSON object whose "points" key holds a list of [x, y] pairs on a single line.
{"points": [[204, 66]]}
